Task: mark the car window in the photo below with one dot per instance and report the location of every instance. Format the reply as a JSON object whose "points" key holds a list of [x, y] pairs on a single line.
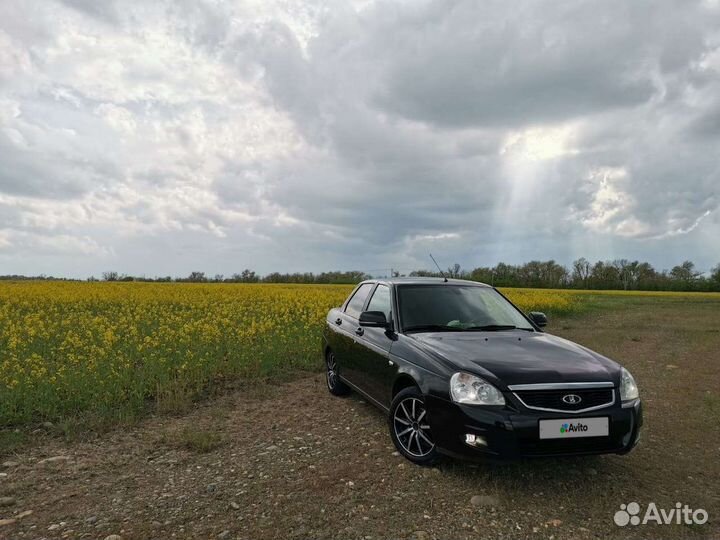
{"points": [[356, 303], [380, 300]]}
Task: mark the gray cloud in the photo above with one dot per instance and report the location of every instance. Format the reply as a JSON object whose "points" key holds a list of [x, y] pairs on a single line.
{"points": [[314, 135], [103, 11], [467, 63]]}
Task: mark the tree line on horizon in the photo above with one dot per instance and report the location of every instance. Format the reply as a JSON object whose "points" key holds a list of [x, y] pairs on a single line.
{"points": [[619, 274], [582, 274]]}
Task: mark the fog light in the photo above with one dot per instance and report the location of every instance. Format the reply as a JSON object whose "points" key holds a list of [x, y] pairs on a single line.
{"points": [[475, 440]]}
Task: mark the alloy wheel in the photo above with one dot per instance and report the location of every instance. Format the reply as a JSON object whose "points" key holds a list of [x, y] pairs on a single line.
{"points": [[411, 428], [332, 377]]}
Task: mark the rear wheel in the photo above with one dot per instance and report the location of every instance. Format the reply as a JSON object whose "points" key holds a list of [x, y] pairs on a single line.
{"points": [[409, 428], [334, 384]]}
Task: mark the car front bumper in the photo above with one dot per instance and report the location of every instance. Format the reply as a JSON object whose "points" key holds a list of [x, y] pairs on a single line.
{"points": [[514, 434]]}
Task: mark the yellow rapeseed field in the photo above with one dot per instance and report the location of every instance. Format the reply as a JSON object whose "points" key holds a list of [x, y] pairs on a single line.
{"points": [[67, 348], [109, 349]]}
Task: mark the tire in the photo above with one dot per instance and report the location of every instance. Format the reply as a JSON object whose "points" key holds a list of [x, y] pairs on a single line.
{"points": [[334, 384], [408, 428]]}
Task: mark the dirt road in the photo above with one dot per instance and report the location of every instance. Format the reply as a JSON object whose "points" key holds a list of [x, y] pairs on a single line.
{"points": [[290, 461]]}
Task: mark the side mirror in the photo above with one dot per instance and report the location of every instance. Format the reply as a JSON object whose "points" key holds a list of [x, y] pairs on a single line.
{"points": [[538, 318], [373, 319]]}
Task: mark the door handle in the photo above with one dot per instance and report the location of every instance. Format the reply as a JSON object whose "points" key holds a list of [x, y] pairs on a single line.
{"points": [[338, 321], [359, 331]]}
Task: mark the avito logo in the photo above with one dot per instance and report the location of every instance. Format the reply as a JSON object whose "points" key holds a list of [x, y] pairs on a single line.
{"points": [[573, 428], [629, 514]]}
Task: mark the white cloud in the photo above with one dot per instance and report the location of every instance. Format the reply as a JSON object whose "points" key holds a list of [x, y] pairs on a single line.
{"points": [[540, 143], [297, 134], [27, 243], [610, 204]]}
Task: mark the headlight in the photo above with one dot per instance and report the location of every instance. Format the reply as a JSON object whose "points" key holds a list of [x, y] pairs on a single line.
{"points": [[466, 388], [628, 387]]}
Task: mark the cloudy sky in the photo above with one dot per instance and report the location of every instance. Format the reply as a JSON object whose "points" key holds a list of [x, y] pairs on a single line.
{"points": [[164, 137]]}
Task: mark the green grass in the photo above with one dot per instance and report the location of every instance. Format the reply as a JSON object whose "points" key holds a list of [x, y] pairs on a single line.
{"points": [[200, 441], [12, 440]]}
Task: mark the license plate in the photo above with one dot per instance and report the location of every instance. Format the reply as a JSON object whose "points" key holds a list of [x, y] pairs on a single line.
{"points": [[570, 428]]}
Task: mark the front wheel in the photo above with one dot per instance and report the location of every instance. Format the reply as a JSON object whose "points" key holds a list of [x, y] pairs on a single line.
{"points": [[409, 428], [334, 384]]}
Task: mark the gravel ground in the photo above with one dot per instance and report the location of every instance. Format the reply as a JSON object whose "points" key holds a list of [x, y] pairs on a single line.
{"points": [[291, 461]]}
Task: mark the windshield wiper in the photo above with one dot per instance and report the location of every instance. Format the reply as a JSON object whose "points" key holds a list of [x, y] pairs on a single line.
{"points": [[494, 327], [432, 328]]}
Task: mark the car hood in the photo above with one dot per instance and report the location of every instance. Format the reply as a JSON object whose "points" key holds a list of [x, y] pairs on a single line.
{"points": [[518, 357]]}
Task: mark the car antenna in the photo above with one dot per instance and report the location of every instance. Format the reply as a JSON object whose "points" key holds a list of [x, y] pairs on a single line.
{"points": [[438, 267]]}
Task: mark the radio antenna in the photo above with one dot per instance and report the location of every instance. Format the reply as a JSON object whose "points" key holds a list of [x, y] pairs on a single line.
{"points": [[438, 267]]}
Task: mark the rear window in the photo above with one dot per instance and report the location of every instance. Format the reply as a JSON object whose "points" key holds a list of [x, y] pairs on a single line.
{"points": [[355, 305]]}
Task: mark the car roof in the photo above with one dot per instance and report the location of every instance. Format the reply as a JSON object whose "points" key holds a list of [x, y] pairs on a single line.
{"points": [[425, 281]]}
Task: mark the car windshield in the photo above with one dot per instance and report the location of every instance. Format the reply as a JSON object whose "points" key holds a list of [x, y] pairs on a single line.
{"points": [[449, 307]]}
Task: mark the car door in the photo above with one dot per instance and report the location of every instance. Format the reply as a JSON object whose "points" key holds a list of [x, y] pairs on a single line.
{"points": [[346, 324], [375, 371]]}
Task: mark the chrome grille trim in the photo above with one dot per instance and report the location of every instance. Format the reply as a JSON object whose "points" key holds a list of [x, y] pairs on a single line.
{"points": [[565, 411], [560, 386]]}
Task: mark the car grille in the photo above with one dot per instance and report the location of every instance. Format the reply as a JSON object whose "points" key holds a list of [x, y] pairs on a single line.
{"points": [[553, 399]]}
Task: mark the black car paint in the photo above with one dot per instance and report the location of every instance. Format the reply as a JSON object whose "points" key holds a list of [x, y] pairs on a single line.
{"points": [[377, 362], [509, 358]]}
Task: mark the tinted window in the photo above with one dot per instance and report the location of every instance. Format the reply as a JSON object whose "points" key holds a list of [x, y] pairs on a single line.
{"points": [[355, 305], [458, 307], [380, 301]]}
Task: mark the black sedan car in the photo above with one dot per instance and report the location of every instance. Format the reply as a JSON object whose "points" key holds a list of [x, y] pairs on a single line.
{"points": [[461, 371]]}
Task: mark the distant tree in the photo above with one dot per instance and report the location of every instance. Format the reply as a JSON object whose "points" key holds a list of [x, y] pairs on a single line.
{"points": [[110, 276], [504, 275], [482, 274], [626, 271], [274, 277], [685, 272], [248, 276], [197, 277], [646, 276], [715, 274], [581, 272], [454, 271], [424, 273], [555, 275], [604, 276]]}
